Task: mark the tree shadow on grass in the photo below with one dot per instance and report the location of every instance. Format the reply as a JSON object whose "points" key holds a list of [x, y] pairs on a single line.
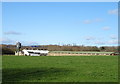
{"points": [[34, 74]]}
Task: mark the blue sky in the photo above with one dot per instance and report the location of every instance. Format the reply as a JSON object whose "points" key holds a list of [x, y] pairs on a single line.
{"points": [[43, 23]]}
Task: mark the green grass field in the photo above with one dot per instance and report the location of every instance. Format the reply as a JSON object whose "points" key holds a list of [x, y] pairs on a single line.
{"points": [[60, 69]]}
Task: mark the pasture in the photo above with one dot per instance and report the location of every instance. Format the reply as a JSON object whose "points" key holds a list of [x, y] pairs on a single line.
{"points": [[60, 68]]}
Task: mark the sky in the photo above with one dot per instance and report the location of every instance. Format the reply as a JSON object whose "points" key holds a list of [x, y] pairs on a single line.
{"points": [[60, 0], [44, 23]]}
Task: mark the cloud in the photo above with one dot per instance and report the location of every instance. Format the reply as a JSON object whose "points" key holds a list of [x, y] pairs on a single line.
{"points": [[106, 28], [110, 42], [12, 33], [113, 37], [98, 20], [113, 42], [113, 12], [32, 43], [99, 42], [13, 42], [89, 38], [27, 43], [88, 21], [6, 41]]}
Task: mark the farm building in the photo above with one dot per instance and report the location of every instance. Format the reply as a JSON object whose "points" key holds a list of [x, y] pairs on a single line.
{"points": [[32, 52], [60, 53]]}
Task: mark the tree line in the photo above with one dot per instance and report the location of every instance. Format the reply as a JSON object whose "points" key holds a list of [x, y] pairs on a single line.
{"points": [[10, 49], [82, 48]]}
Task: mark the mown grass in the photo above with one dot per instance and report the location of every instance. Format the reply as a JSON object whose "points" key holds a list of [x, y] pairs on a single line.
{"points": [[60, 69]]}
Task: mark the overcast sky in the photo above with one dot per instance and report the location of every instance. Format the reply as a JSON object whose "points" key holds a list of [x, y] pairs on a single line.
{"points": [[89, 23]]}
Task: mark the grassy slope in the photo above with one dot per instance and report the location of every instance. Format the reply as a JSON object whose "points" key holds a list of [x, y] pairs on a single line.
{"points": [[60, 69]]}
